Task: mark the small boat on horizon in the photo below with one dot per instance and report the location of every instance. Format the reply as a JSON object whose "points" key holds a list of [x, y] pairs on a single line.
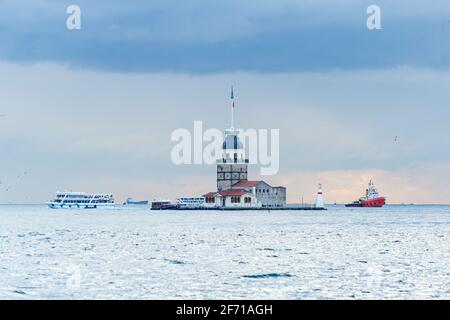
{"points": [[371, 199], [162, 205]]}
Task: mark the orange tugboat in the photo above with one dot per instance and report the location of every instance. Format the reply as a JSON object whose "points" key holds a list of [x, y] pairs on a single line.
{"points": [[371, 199]]}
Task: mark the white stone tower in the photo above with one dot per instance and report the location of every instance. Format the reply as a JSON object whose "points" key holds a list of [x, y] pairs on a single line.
{"points": [[319, 198], [232, 167]]}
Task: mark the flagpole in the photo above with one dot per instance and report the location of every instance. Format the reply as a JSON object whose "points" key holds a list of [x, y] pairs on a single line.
{"points": [[232, 109]]}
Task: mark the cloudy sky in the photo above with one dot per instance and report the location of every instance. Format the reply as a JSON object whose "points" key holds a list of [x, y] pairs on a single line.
{"points": [[93, 109]]}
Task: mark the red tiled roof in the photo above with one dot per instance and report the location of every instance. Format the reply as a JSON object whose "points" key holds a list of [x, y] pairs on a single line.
{"points": [[233, 192], [244, 183], [210, 194]]}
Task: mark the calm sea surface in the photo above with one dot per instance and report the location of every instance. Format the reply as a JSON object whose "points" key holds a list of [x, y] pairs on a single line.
{"points": [[394, 252]]}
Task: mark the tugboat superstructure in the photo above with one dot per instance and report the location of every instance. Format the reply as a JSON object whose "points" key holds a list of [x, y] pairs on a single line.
{"points": [[371, 199]]}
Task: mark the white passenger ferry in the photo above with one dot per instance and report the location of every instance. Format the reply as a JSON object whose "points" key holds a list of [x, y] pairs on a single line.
{"points": [[81, 200], [190, 202]]}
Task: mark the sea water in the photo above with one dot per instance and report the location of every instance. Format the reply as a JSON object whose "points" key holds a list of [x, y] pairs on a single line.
{"points": [[395, 252]]}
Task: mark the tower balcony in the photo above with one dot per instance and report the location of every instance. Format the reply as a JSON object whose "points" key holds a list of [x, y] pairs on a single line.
{"points": [[219, 161]]}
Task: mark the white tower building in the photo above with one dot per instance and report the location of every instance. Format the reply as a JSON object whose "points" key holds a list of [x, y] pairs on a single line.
{"points": [[319, 198], [232, 168]]}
